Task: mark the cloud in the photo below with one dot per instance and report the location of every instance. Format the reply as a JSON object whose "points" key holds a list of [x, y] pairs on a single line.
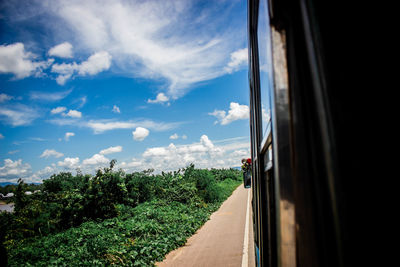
{"points": [[1, 136], [236, 112], [238, 59], [100, 126], [28, 176], [204, 154], [82, 101], [110, 150], [5, 97], [68, 135], [178, 42], [15, 60], [49, 97], [15, 169], [73, 114], [18, 114], [174, 136], [63, 50], [51, 153], [58, 110], [115, 109], [161, 98], [96, 63], [96, 159], [140, 133], [69, 163], [44, 173], [39, 139]]}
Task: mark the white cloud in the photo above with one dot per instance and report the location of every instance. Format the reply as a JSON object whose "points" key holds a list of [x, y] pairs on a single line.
{"points": [[96, 159], [15, 60], [178, 41], [62, 79], [18, 114], [39, 139], [58, 110], [82, 101], [1, 136], [100, 126], [96, 63], [64, 68], [5, 97], [63, 50], [204, 154], [238, 59], [174, 136], [73, 114], [236, 112], [68, 135], [49, 97], [14, 169], [51, 153], [44, 173], [110, 150], [69, 163], [161, 98], [206, 142], [115, 109], [140, 133]]}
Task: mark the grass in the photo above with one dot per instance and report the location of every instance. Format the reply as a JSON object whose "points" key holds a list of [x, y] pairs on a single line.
{"points": [[137, 236]]}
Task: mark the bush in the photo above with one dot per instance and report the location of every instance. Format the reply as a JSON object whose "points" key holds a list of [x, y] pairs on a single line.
{"points": [[112, 218], [141, 187]]}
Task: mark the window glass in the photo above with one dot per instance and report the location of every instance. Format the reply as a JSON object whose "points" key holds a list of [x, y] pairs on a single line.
{"points": [[265, 63]]}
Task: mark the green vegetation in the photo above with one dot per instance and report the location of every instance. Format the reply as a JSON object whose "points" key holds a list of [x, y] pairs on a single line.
{"points": [[112, 218]]}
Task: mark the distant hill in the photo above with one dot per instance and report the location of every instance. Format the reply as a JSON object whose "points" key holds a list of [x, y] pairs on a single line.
{"points": [[2, 184], [6, 183], [237, 168]]}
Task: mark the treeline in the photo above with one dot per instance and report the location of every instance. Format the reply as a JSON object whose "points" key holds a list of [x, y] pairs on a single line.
{"points": [[68, 202], [11, 188]]}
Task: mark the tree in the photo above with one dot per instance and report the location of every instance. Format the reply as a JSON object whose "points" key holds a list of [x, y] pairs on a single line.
{"points": [[21, 200]]}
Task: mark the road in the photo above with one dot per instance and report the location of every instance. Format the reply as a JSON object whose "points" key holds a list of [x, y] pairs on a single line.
{"points": [[7, 207], [223, 240]]}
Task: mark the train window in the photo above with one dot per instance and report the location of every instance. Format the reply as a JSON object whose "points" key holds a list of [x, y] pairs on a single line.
{"points": [[265, 63]]}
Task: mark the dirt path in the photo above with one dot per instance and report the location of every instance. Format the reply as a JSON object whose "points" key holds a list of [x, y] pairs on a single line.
{"points": [[223, 240]]}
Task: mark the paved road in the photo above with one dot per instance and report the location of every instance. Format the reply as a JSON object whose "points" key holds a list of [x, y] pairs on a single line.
{"points": [[222, 240]]}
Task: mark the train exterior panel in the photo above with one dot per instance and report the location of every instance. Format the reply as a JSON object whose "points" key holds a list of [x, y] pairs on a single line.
{"points": [[304, 147]]}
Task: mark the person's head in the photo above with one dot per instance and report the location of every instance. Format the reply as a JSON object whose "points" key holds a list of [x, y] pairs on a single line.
{"points": [[243, 160]]}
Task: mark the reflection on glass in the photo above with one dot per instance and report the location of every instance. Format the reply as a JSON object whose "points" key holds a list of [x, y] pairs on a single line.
{"points": [[264, 52]]}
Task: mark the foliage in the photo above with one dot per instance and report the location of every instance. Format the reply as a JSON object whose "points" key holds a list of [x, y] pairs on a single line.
{"points": [[10, 188], [112, 218]]}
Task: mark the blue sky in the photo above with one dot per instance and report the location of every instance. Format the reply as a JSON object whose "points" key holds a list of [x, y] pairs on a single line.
{"points": [[153, 84]]}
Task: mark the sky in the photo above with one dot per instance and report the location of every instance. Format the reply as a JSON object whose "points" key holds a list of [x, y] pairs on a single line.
{"points": [[152, 84]]}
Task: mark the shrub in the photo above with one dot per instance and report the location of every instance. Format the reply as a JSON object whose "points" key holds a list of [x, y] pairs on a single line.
{"points": [[112, 218]]}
